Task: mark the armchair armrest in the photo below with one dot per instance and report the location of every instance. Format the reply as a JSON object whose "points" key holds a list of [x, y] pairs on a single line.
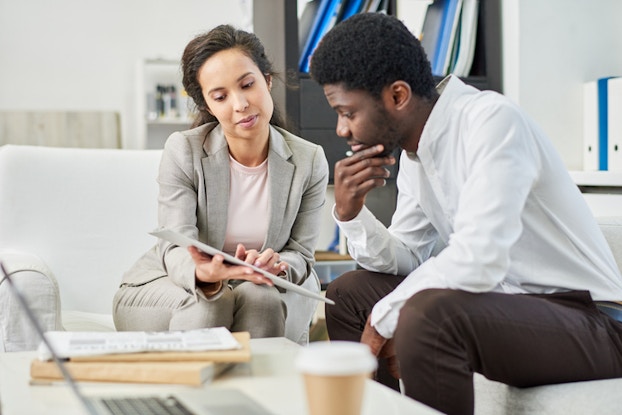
{"points": [[35, 280]]}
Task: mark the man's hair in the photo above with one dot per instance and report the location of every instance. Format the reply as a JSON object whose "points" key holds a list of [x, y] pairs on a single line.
{"points": [[369, 51]]}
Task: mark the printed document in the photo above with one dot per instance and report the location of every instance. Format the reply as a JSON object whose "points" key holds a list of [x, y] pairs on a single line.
{"points": [[81, 343]]}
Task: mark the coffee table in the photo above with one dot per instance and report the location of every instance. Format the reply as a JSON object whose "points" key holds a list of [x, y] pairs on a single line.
{"points": [[270, 378]]}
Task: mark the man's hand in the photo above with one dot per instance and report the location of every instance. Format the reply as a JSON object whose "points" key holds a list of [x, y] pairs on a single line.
{"points": [[381, 347], [357, 175]]}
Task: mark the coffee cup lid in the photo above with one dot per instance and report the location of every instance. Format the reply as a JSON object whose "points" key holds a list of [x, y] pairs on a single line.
{"points": [[336, 358]]}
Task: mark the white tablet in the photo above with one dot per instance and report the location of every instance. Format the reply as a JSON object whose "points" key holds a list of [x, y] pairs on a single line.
{"points": [[184, 241]]}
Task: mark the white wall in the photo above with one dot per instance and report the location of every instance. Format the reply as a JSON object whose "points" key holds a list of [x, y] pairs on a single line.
{"points": [[550, 49], [82, 55]]}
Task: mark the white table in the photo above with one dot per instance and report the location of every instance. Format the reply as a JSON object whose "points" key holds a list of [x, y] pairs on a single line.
{"points": [[269, 378]]}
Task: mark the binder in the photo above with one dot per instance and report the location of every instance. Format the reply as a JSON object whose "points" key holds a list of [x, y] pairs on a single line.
{"points": [[326, 18], [590, 126], [614, 120], [351, 8], [468, 37], [383, 7], [603, 125], [451, 19], [439, 30], [412, 13], [595, 124], [372, 6], [305, 23], [431, 30]]}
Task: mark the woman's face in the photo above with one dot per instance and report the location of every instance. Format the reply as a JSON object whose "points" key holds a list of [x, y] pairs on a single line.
{"points": [[237, 94]]}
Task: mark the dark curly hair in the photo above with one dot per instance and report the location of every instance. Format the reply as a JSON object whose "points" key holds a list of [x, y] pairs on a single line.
{"points": [[204, 46], [369, 51]]}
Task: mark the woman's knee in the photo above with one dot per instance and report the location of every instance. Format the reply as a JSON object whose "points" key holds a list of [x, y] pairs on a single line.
{"points": [[148, 307], [265, 297]]}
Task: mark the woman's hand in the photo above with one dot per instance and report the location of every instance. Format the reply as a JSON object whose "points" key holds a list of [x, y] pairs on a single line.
{"points": [[267, 260], [213, 269]]}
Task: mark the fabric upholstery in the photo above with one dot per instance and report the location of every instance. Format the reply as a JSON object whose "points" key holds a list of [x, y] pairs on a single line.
{"points": [[40, 290], [85, 214]]}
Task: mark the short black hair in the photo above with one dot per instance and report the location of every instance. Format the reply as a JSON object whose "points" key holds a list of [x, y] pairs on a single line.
{"points": [[369, 51]]}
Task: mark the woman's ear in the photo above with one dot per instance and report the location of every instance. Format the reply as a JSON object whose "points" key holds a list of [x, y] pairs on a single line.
{"points": [[269, 81]]}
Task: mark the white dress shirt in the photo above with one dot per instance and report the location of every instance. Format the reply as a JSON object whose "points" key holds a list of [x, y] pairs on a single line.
{"points": [[486, 204]]}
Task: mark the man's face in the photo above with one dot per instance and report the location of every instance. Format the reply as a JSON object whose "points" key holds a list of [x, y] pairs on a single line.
{"points": [[362, 119]]}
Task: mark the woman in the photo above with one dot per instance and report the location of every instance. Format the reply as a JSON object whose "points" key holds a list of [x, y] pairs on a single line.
{"points": [[236, 181]]}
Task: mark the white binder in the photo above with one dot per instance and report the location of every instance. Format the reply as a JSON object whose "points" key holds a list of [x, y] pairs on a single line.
{"points": [[614, 119]]}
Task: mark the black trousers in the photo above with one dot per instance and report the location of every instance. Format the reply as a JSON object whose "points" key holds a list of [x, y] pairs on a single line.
{"points": [[443, 336]]}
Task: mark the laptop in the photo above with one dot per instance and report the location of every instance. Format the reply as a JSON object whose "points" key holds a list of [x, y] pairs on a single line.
{"points": [[191, 402]]}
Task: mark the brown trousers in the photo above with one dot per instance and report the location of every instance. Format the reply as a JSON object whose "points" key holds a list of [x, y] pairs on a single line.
{"points": [[443, 336]]}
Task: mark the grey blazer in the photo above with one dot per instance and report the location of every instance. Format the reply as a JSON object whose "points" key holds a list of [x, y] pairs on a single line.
{"points": [[194, 193]]}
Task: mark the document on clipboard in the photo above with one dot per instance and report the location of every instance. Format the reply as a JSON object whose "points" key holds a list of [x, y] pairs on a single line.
{"points": [[184, 241]]}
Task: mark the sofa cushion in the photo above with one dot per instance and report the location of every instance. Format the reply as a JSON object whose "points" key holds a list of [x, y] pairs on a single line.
{"points": [[592, 397], [612, 229], [85, 212]]}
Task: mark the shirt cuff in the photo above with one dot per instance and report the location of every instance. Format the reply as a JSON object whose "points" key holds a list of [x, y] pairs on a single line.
{"points": [[357, 227], [384, 318], [210, 290]]}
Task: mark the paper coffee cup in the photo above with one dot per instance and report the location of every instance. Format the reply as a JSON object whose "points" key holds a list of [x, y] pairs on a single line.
{"points": [[334, 375]]}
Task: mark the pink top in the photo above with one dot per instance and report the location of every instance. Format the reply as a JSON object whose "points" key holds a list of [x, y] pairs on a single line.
{"points": [[248, 214]]}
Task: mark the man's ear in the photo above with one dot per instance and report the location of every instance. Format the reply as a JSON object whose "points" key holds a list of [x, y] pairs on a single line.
{"points": [[401, 94]]}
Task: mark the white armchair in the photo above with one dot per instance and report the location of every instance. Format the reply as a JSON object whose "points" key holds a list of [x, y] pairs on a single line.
{"points": [[81, 217]]}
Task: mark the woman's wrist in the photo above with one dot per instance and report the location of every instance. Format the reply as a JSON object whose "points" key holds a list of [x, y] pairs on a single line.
{"points": [[209, 288]]}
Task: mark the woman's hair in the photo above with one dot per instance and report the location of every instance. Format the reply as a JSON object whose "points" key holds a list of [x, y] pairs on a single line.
{"points": [[203, 47], [370, 51]]}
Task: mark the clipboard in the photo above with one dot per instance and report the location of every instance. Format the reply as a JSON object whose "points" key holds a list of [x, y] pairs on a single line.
{"points": [[184, 241]]}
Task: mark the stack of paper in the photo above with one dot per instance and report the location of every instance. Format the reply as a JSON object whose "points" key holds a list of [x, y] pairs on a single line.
{"points": [[192, 366]]}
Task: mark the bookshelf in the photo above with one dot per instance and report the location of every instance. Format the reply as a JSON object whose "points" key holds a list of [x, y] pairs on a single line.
{"points": [[276, 23], [162, 106]]}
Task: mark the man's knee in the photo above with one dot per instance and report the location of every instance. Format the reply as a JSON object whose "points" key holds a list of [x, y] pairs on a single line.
{"points": [[342, 285], [434, 307]]}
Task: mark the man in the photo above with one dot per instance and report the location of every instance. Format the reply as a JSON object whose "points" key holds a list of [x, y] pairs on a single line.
{"points": [[493, 262]]}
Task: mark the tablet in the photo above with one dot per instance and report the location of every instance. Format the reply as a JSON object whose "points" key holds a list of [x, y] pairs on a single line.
{"points": [[184, 241]]}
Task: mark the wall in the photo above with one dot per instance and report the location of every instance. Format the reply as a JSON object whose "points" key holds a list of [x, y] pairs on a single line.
{"points": [[550, 49], [82, 55]]}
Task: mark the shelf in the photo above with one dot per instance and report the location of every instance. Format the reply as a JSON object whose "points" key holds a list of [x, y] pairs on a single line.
{"points": [[331, 256], [597, 178], [170, 121]]}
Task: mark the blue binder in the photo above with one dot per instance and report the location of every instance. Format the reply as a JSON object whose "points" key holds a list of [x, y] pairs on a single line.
{"points": [[450, 14], [352, 7], [327, 15], [603, 123]]}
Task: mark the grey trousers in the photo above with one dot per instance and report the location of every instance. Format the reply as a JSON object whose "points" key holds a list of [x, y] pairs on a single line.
{"points": [[443, 336], [162, 305]]}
